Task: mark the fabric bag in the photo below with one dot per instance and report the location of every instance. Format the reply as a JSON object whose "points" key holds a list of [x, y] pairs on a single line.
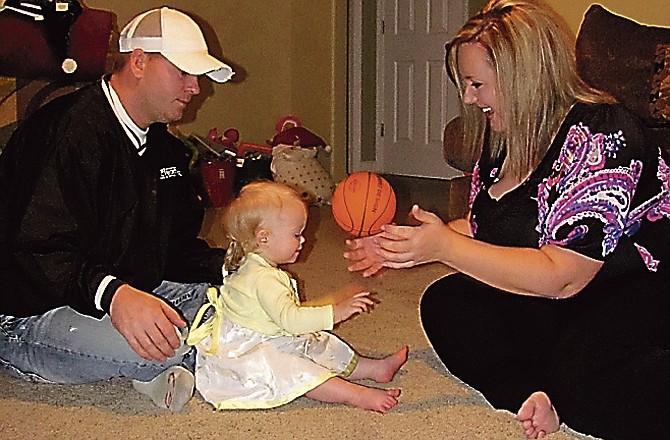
{"points": [[295, 163]]}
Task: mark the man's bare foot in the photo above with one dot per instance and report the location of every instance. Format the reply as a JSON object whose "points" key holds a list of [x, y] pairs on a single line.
{"points": [[376, 399], [538, 416]]}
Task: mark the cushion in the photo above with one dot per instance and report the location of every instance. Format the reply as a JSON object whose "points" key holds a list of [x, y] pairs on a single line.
{"points": [[455, 153], [660, 84], [618, 55], [26, 52]]}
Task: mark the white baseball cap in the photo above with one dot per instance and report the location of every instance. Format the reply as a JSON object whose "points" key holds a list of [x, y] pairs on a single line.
{"points": [[178, 38]]}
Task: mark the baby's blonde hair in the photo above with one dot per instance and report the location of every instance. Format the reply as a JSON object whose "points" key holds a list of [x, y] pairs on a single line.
{"points": [[250, 211]]}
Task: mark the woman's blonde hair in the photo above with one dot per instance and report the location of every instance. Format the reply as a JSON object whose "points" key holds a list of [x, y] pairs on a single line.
{"points": [[531, 49], [254, 207]]}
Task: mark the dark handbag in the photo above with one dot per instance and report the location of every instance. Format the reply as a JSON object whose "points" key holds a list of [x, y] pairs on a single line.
{"points": [[251, 166]]}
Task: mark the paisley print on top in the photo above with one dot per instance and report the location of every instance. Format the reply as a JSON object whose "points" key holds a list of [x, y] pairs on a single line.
{"points": [[583, 188]]}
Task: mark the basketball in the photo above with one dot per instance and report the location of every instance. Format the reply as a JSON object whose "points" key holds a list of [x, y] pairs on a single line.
{"points": [[362, 203]]}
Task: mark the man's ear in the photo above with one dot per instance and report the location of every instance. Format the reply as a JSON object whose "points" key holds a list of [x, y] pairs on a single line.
{"points": [[138, 60]]}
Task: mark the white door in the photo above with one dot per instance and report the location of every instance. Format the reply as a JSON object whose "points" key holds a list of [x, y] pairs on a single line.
{"points": [[414, 98]]}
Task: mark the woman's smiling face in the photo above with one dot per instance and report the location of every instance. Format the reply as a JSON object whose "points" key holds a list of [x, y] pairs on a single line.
{"points": [[479, 81]]}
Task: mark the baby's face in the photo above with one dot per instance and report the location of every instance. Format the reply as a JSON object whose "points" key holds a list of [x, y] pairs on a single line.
{"points": [[284, 239]]}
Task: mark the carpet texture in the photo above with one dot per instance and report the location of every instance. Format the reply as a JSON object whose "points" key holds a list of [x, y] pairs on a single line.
{"points": [[433, 404]]}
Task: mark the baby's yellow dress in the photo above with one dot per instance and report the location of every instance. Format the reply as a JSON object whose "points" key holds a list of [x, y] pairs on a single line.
{"points": [[260, 348]]}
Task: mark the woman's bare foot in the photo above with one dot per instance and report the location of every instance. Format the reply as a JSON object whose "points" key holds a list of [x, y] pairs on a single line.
{"points": [[538, 416], [380, 370]]}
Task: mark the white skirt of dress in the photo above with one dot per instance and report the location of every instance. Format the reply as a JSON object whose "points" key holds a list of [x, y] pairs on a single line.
{"points": [[253, 370]]}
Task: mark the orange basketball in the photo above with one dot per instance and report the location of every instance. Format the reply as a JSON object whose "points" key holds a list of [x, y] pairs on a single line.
{"points": [[362, 203]]}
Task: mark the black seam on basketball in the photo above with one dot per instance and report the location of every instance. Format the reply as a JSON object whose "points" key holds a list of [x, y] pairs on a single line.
{"points": [[352, 228], [351, 218], [382, 211], [388, 201], [365, 202]]}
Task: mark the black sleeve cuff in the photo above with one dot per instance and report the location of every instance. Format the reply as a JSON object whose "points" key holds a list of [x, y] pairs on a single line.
{"points": [[110, 290]]}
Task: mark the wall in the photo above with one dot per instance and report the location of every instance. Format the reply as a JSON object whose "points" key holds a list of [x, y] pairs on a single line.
{"points": [[289, 57], [260, 38], [476, 5], [318, 70], [283, 52], [7, 116], [651, 12]]}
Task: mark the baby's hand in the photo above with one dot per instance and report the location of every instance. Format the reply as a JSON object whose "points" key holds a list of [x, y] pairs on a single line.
{"points": [[358, 303]]}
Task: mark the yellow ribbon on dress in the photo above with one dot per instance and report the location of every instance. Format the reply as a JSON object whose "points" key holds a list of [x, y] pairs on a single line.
{"points": [[212, 326]]}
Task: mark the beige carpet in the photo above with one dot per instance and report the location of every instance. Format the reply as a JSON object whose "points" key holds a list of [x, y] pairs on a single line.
{"points": [[433, 404]]}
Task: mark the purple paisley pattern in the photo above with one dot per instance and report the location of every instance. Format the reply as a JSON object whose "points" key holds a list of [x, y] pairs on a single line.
{"points": [[582, 188], [659, 206], [476, 185], [649, 260]]}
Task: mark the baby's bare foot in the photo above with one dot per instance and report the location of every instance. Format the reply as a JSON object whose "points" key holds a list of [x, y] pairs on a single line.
{"points": [[390, 365], [538, 416], [375, 399]]}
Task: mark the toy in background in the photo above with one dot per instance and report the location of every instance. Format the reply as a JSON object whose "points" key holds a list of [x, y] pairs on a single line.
{"points": [[252, 161], [363, 202], [223, 165], [294, 161], [213, 169]]}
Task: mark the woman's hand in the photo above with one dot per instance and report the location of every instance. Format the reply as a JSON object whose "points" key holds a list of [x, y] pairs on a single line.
{"points": [[398, 246], [363, 254], [407, 246]]}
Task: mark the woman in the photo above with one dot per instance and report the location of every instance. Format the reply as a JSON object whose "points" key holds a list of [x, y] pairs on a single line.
{"points": [[560, 302]]}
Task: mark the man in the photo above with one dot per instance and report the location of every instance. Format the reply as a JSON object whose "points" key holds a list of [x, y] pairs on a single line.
{"points": [[100, 264]]}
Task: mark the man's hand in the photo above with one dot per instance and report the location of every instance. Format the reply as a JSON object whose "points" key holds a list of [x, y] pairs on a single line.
{"points": [[147, 322]]}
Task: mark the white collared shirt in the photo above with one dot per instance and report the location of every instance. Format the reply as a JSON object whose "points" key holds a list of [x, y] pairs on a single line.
{"points": [[136, 135]]}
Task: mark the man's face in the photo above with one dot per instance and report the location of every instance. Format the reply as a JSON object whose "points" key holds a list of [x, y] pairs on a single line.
{"points": [[166, 89]]}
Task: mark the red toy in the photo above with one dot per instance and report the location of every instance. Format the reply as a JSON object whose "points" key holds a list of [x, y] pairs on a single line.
{"points": [[231, 141], [231, 164], [289, 131]]}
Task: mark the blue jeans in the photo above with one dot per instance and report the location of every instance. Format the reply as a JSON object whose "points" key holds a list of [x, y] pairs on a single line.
{"points": [[64, 346]]}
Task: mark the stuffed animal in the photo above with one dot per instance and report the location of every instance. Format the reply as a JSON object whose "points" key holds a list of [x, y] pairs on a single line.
{"points": [[289, 131], [294, 161]]}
